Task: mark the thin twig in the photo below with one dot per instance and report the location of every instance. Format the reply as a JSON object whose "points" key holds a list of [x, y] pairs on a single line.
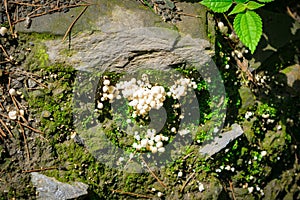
{"points": [[8, 18], [2, 133], [26, 4], [132, 194], [228, 22], [292, 15], [232, 191], [160, 182], [25, 142], [188, 14], [73, 23], [35, 130], [39, 83], [50, 11], [187, 181], [39, 170], [2, 107], [188, 155], [6, 128], [4, 51], [23, 124]]}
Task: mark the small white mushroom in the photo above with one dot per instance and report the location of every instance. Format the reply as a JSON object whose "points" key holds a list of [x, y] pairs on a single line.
{"points": [[3, 31], [12, 114], [12, 92]]}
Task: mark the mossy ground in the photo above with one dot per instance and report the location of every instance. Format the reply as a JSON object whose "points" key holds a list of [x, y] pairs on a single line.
{"points": [[52, 107]]}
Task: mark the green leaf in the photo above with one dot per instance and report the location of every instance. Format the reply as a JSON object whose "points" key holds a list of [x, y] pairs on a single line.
{"points": [[217, 5], [248, 27], [252, 5], [241, 1], [265, 1], [240, 7]]}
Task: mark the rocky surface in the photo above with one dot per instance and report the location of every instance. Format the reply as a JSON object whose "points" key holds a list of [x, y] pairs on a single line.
{"points": [[221, 141], [153, 48], [50, 189]]}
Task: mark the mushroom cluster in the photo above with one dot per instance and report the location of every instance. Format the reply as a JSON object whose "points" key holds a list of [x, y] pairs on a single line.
{"points": [[152, 141], [181, 87], [143, 96], [109, 93]]}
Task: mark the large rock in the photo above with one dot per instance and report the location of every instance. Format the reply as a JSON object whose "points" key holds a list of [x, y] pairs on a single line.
{"points": [[107, 16], [126, 35], [129, 50], [50, 189]]}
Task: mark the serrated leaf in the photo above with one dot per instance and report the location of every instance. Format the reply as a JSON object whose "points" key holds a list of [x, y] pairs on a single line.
{"points": [[241, 1], [265, 1], [240, 7], [252, 5], [248, 27], [217, 5]]}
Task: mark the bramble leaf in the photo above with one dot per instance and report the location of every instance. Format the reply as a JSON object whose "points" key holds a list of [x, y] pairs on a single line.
{"points": [[241, 1], [240, 7], [252, 5], [248, 27], [217, 5], [265, 1]]}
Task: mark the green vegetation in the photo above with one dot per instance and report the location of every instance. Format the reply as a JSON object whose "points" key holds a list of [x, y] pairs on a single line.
{"points": [[247, 23]]}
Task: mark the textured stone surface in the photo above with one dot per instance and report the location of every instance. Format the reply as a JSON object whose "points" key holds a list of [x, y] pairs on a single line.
{"points": [[51, 189], [129, 50], [108, 16], [220, 143], [125, 35]]}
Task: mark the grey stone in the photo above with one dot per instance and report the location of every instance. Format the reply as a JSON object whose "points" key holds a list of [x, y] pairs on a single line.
{"points": [[221, 142], [125, 36], [112, 16], [293, 76], [155, 48], [31, 83], [50, 189]]}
